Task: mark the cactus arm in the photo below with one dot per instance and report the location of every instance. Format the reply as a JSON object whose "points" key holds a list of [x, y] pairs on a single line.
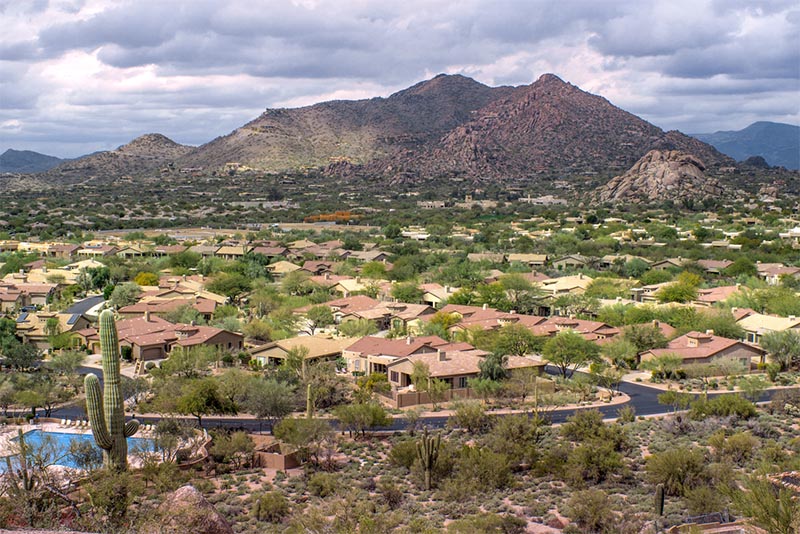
{"points": [[94, 405], [131, 427]]}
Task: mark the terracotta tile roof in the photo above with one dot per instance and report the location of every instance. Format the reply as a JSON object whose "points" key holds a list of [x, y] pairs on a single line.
{"points": [[705, 346], [399, 348], [716, 294]]}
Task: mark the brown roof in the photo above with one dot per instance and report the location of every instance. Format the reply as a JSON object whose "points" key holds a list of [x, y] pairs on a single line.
{"points": [[708, 345], [400, 348]]}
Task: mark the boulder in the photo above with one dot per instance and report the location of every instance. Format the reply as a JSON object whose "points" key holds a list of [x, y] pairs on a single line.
{"points": [[186, 510]]}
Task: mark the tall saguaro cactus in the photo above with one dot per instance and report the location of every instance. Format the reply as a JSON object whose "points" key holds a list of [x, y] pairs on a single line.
{"points": [[428, 454], [107, 413]]}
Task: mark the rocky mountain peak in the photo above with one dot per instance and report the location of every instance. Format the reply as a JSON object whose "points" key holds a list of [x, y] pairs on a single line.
{"points": [[661, 175], [148, 142]]}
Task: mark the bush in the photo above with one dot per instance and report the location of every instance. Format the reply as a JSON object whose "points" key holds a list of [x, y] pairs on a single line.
{"points": [[722, 406], [471, 416], [679, 469], [271, 506], [490, 523], [593, 462], [391, 493], [590, 509], [404, 453], [323, 484]]}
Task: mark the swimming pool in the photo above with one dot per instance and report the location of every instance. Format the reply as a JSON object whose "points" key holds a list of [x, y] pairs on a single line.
{"points": [[60, 442]]}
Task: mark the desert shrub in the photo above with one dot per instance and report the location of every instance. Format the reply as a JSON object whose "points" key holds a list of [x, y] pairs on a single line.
{"points": [[475, 470], [593, 462], [722, 406], [323, 484], [404, 453], [679, 469], [471, 416], [737, 447], [488, 523], [517, 436], [271, 506], [704, 500], [590, 509], [391, 493]]}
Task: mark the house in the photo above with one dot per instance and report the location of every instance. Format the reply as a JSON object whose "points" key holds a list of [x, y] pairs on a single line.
{"points": [[698, 347], [648, 293], [11, 298], [97, 251], [162, 306], [369, 255], [669, 263], [320, 348], [348, 286], [771, 273], [233, 252], [205, 251], [714, 266], [756, 325], [316, 267], [395, 315], [609, 261], [566, 284], [455, 367], [485, 318], [712, 295], [570, 261], [168, 250], [63, 251], [271, 251], [132, 251], [346, 306], [281, 268], [33, 327], [589, 330], [153, 338], [531, 260], [372, 354], [435, 294]]}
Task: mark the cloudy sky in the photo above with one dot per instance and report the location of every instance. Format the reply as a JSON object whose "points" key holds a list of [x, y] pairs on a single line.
{"points": [[83, 75]]}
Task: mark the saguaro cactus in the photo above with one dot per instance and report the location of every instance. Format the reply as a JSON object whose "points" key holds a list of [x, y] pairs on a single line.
{"points": [[659, 500], [107, 413], [428, 454]]}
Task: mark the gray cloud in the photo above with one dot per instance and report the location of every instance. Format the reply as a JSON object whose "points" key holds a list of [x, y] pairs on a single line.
{"points": [[98, 72]]}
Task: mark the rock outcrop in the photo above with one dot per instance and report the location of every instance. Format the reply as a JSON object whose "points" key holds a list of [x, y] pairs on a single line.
{"points": [[186, 510], [661, 175]]}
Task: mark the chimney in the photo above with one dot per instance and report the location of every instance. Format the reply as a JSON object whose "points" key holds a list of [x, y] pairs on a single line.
{"points": [[44, 268], [485, 306], [710, 332], [409, 340], [327, 276], [442, 355], [147, 316], [656, 323], [512, 312], [580, 276], [792, 318], [184, 277], [734, 310], [358, 279]]}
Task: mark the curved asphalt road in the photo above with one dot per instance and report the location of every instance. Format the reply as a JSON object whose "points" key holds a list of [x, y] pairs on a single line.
{"points": [[643, 399]]}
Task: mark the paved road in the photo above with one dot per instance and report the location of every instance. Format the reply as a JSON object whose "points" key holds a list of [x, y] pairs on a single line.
{"points": [[643, 399]]}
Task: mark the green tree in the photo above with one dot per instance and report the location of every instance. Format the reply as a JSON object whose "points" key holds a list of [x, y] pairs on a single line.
{"points": [[679, 469], [521, 294], [312, 438], [516, 340], [269, 399], [146, 279], [358, 328], [407, 292], [645, 337], [568, 351], [125, 294], [663, 366], [202, 397], [318, 317], [359, 417], [771, 507], [783, 348]]}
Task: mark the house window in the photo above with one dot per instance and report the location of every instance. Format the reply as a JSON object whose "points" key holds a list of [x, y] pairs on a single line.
{"points": [[462, 381], [357, 365], [394, 376]]}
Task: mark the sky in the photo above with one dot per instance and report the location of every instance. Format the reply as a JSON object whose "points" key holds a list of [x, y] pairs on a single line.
{"points": [[77, 76]]}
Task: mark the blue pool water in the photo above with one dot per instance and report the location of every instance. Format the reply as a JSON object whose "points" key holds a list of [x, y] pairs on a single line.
{"points": [[60, 444]]}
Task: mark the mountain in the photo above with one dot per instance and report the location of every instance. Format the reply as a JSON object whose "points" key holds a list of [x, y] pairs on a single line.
{"points": [[26, 161], [451, 126], [777, 143], [548, 127], [357, 131], [144, 154], [661, 175]]}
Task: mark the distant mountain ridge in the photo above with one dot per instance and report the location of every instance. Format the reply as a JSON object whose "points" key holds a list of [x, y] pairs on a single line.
{"points": [[777, 143], [26, 161], [145, 154], [450, 126]]}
